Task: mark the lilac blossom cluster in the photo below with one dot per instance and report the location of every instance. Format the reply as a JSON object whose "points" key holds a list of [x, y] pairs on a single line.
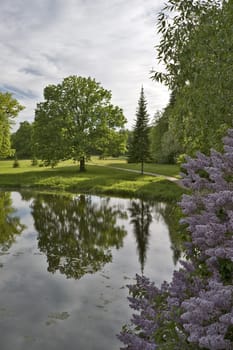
{"points": [[195, 310]]}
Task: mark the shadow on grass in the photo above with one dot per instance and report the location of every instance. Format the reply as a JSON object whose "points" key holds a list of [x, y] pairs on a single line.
{"points": [[67, 176], [162, 190]]}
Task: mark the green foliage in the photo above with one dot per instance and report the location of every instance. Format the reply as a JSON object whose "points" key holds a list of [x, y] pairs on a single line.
{"points": [[226, 270], [22, 140], [169, 148], [164, 144], [196, 49], [129, 142], [34, 161], [16, 163], [113, 145], [157, 131], [75, 118], [9, 109], [139, 149], [181, 158]]}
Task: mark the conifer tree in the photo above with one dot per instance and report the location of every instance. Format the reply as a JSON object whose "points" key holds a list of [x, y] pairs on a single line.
{"points": [[139, 149]]}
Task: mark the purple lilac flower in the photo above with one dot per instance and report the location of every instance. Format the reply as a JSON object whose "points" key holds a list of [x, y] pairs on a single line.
{"points": [[195, 310]]}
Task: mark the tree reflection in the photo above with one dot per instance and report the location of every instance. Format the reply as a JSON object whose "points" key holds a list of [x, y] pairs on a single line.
{"points": [[76, 234], [172, 214], [10, 225], [141, 219]]}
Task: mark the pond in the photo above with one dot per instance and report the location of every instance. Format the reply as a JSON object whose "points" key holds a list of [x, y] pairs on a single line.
{"points": [[65, 262]]}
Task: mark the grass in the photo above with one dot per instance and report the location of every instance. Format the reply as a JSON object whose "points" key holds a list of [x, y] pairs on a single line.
{"points": [[172, 170], [96, 180]]}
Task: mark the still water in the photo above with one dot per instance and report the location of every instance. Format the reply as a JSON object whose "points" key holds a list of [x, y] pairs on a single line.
{"points": [[65, 262]]}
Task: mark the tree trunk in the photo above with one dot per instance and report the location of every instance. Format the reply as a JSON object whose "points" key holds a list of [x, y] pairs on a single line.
{"points": [[82, 164], [142, 167]]}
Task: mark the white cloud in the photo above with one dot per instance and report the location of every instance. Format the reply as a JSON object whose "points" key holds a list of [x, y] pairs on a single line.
{"points": [[43, 41]]}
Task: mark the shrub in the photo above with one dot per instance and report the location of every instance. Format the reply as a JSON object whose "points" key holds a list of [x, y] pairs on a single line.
{"points": [[181, 159], [34, 161], [195, 310], [16, 163]]}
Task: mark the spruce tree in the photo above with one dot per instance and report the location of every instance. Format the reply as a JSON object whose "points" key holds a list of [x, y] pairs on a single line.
{"points": [[139, 149]]}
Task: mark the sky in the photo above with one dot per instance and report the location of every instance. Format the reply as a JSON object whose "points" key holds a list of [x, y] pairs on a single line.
{"points": [[112, 41]]}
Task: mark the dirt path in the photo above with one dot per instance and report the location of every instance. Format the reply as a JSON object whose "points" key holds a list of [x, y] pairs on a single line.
{"points": [[170, 178]]}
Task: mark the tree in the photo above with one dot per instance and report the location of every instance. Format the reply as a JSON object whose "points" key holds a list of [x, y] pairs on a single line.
{"points": [[9, 109], [195, 47], [139, 149], [21, 141], [164, 146], [75, 117], [114, 144], [158, 129]]}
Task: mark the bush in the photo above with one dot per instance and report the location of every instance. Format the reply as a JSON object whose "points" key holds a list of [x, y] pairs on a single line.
{"points": [[16, 163], [181, 159], [34, 161], [194, 311]]}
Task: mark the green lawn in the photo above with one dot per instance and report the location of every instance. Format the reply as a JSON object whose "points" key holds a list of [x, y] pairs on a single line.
{"points": [[162, 169], [96, 180]]}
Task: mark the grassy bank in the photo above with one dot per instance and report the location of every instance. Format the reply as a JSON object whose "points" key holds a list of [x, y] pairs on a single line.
{"points": [[96, 180]]}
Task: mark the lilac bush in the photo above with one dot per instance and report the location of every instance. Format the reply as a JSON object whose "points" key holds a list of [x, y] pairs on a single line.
{"points": [[195, 310]]}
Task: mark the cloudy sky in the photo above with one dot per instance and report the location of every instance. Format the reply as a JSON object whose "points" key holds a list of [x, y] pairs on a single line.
{"points": [[113, 41]]}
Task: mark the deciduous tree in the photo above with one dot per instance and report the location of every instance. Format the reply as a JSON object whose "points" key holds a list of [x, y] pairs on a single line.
{"points": [[9, 109], [76, 116], [21, 141], [196, 48]]}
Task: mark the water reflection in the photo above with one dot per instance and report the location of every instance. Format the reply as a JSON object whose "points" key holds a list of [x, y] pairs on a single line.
{"points": [[64, 238], [141, 218], [76, 234], [178, 234], [10, 225]]}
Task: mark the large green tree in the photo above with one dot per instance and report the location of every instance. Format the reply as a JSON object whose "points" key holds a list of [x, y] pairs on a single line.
{"points": [[9, 109], [139, 148], [196, 48], [76, 116], [163, 142], [21, 140]]}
